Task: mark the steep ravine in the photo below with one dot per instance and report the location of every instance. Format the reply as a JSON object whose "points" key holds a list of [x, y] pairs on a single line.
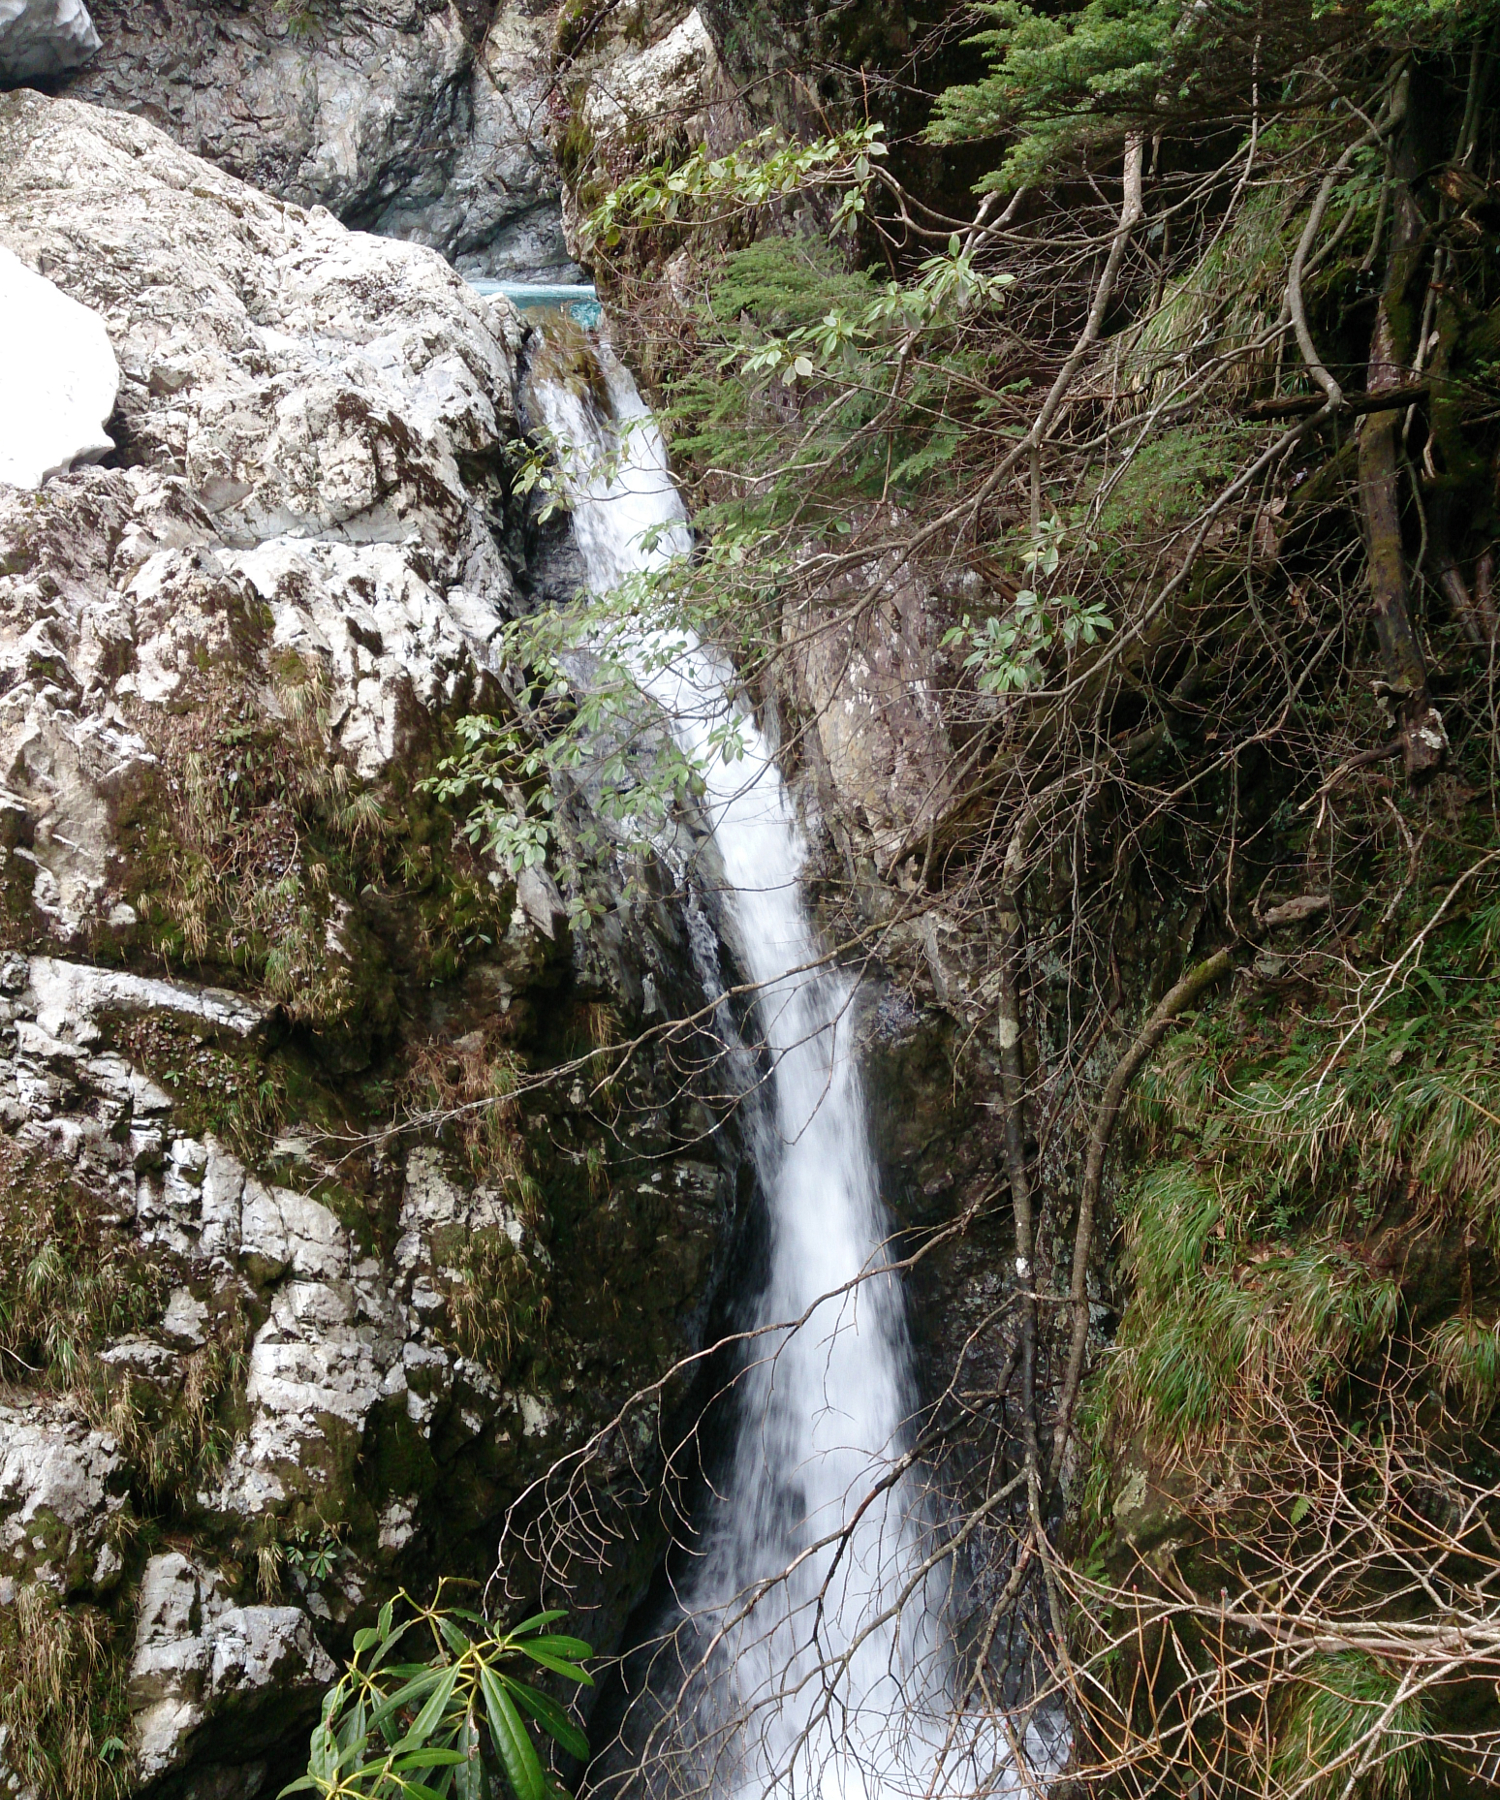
{"points": [[304, 1360], [272, 1361]]}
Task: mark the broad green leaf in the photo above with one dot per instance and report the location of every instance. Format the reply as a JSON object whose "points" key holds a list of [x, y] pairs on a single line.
{"points": [[571, 1647], [516, 1749], [550, 1716], [535, 1623], [323, 1754], [427, 1721], [469, 1779], [557, 1664], [432, 1757], [408, 1694]]}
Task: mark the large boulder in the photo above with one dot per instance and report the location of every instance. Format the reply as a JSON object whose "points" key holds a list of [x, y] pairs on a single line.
{"points": [[40, 39], [238, 936], [295, 399]]}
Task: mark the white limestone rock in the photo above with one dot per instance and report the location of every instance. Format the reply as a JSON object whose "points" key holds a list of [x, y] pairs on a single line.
{"points": [[285, 1231], [58, 376], [55, 1499], [317, 425], [434, 1206], [667, 80], [397, 1523], [303, 378], [389, 639], [300, 397], [193, 1649], [40, 39], [69, 997], [328, 1355], [185, 1321]]}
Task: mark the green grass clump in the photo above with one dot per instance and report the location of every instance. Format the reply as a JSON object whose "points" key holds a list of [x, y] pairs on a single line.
{"points": [[497, 1304], [1345, 1718], [68, 1280], [62, 1698], [1302, 1186], [1464, 1353]]}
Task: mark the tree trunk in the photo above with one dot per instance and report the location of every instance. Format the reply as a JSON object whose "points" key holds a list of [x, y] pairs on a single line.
{"points": [[1392, 347]]}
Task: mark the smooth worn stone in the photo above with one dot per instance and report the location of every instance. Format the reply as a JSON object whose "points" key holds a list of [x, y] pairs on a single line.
{"points": [[58, 379]]}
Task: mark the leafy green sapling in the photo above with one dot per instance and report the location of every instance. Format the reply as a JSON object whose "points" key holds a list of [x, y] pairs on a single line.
{"points": [[451, 1719]]}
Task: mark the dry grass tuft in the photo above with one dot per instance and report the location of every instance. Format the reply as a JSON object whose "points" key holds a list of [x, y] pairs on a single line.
{"points": [[56, 1664]]}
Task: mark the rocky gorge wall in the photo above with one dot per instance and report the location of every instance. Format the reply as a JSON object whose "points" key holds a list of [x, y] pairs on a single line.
{"points": [[266, 1361], [449, 124], [266, 1357]]}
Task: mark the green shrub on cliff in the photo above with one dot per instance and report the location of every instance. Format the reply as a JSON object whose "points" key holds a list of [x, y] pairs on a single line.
{"points": [[434, 1703]]}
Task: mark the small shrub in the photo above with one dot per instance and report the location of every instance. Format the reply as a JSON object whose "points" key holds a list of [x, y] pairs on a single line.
{"points": [[465, 1088], [1345, 1719], [450, 1716]]}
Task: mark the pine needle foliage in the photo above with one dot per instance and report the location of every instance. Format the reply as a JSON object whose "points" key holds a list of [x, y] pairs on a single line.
{"points": [[1064, 85]]}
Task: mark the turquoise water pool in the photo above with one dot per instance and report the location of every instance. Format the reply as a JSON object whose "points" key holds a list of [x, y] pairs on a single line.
{"points": [[580, 302]]}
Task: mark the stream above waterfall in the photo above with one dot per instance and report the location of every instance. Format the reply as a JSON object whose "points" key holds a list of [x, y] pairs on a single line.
{"points": [[578, 301]]}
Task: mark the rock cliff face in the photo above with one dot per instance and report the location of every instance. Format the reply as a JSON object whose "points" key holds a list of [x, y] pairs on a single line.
{"points": [[465, 125], [414, 120], [237, 937]]}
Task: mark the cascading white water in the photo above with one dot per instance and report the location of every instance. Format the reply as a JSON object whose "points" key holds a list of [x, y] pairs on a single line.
{"points": [[827, 1675]]}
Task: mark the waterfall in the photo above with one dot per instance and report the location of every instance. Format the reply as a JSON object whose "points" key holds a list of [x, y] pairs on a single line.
{"points": [[824, 1672]]}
